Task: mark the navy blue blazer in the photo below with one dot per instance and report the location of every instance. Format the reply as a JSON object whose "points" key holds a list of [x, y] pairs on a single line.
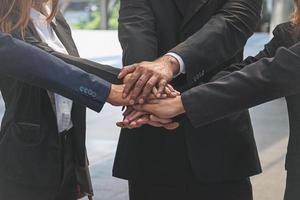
{"points": [[22, 61]]}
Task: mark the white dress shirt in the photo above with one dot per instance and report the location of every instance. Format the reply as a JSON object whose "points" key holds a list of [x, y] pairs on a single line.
{"points": [[63, 106], [182, 69]]}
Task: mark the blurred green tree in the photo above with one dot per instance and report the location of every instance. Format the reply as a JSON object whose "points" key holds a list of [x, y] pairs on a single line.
{"points": [[93, 14]]}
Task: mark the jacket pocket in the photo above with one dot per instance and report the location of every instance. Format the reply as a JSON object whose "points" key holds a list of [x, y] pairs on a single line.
{"points": [[27, 134]]}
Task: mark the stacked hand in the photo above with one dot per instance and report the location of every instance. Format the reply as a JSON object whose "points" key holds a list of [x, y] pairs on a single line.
{"points": [[149, 97], [141, 114]]}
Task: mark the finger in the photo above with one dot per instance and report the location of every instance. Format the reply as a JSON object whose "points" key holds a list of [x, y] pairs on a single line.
{"points": [[120, 124], [143, 120], [126, 119], [133, 125], [130, 83], [170, 91], [127, 113], [162, 85], [148, 88], [138, 88], [172, 126], [155, 124], [151, 97], [135, 115], [139, 122], [127, 70], [173, 90], [128, 110], [127, 78], [162, 121], [154, 90]]}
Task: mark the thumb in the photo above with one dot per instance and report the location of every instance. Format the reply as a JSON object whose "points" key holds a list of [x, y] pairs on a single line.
{"points": [[126, 70]]}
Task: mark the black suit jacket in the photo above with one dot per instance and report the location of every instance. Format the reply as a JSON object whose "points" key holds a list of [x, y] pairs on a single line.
{"points": [[208, 35], [29, 148], [259, 82]]}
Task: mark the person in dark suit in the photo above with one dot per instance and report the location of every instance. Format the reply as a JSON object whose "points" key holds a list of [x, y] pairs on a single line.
{"points": [[200, 37], [271, 74], [41, 157]]}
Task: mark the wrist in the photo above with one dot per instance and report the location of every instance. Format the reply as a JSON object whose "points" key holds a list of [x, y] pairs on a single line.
{"points": [[111, 94], [172, 63], [179, 106]]}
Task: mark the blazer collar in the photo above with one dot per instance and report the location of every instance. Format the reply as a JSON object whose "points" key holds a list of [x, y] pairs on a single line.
{"points": [[192, 9], [39, 17]]}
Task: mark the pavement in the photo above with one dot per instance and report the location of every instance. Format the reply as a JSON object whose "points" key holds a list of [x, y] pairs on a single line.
{"points": [[270, 122]]}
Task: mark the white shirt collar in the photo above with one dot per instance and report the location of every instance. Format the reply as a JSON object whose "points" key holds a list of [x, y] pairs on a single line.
{"points": [[39, 17]]}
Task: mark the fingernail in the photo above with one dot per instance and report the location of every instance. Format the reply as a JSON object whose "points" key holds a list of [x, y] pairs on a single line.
{"points": [[141, 101], [158, 95], [131, 102], [124, 95]]}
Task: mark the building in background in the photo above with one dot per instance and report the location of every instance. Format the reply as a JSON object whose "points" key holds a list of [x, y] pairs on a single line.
{"points": [[103, 14]]}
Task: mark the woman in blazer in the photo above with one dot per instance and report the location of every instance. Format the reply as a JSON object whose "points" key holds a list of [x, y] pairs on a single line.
{"points": [[42, 137], [260, 80]]}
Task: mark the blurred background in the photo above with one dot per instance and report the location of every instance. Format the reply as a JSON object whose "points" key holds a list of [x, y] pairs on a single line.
{"points": [[103, 14], [95, 23]]}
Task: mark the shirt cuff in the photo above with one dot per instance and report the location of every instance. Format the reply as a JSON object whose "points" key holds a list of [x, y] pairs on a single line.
{"points": [[181, 63]]}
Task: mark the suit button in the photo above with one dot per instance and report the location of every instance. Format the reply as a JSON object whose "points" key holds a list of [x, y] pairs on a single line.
{"points": [[81, 89], [202, 73], [90, 92]]}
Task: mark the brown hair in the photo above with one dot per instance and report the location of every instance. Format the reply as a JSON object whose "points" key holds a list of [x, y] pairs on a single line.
{"points": [[15, 14], [296, 14]]}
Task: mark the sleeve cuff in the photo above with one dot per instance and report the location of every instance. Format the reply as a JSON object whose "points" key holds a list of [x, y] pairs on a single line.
{"points": [[97, 92], [181, 63]]}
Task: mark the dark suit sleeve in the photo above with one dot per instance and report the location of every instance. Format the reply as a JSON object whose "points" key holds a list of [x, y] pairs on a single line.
{"points": [[105, 72], [260, 82], [282, 38], [29, 64], [223, 36], [137, 33]]}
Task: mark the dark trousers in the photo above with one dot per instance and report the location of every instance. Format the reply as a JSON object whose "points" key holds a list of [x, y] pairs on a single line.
{"points": [[191, 190], [10, 190], [68, 188], [292, 190]]}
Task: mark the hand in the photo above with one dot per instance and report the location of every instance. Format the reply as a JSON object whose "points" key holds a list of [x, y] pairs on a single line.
{"points": [[115, 97], [147, 75], [136, 119], [169, 92], [163, 108]]}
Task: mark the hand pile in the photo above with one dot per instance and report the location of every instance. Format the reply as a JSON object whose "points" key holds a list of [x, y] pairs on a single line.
{"points": [[148, 96]]}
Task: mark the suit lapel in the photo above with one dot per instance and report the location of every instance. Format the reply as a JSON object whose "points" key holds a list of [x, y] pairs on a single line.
{"points": [[193, 8], [64, 35]]}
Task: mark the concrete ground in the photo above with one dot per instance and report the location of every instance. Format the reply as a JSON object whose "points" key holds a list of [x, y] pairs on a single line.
{"points": [[270, 122]]}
